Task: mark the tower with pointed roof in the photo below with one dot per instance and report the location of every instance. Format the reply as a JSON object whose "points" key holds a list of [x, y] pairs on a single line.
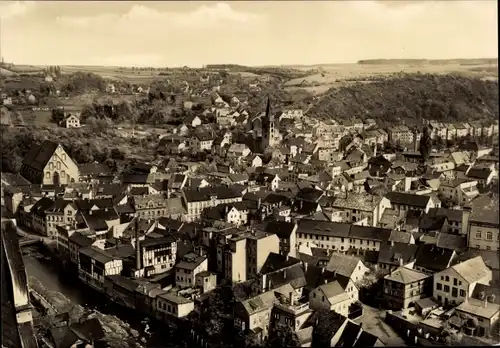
{"points": [[270, 134]]}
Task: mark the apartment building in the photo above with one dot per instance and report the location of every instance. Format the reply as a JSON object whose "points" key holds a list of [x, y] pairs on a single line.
{"points": [[245, 254], [456, 283]]}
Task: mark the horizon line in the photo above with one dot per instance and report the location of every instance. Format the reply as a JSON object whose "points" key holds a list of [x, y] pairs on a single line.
{"points": [[251, 66]]}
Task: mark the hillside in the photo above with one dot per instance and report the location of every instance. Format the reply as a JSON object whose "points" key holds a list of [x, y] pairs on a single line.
{"points": [[411, 97], [479, 61]]}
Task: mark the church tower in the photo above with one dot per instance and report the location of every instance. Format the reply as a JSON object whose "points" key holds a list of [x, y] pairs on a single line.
{"points": [[270, 134]]}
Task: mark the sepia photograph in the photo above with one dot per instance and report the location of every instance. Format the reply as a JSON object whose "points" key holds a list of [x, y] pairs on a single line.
{"points": [[250, 174]]}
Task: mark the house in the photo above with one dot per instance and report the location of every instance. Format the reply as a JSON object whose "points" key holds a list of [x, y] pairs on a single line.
{"points": [[483, 230], [62, 212], [238, 150], [157, 255], [192, 121], [253, 315], [206, 281], [71, 121], [346, 265], [330, 296], [188, 268], [287, 234], [459, 192], [485, 311], [202, 141], [483, 175], [110, 88], [95, 173], [456, 283], [150, 206], [204, 197], [354, 207], [403, 287], [170, 304], [401, 201], [431, 259], [94, 265], [288, 310], [400, 135], [48, 163]]}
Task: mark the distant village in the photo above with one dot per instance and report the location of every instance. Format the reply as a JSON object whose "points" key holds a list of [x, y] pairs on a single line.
{"points": [[302, 216]]}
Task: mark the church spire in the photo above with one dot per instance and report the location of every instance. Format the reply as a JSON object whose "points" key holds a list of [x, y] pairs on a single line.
{"points": [[268, 107]]}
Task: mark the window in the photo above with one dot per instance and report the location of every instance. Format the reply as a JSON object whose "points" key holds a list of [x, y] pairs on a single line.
{"points": [[446, 288], [489, 235], [462, 293], [455, 282], [58, 165], [488, 248], [447, 278], [439, 286], [47, 175], [478, 235], [323, 298]]}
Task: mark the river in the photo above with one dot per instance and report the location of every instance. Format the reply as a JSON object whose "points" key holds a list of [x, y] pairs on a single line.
{"points": [[54, 279]]}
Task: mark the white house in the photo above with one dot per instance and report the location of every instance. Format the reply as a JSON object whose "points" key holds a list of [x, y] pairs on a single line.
{"points": [[456, 283]]}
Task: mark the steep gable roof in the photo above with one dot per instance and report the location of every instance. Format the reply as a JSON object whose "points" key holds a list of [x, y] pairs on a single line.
{"points": [[39, 155], [472, 270]]}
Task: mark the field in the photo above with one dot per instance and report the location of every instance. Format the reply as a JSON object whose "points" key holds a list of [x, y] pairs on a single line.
{"points": [[113, 73], [338, 75]]}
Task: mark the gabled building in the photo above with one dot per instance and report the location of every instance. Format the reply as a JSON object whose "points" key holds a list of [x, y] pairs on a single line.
{"points": [[402, 202], [404, 286], [456, 283], [49, 163], [188, 269]]}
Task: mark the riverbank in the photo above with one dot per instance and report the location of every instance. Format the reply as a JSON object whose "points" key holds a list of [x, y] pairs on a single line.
{"points": [[55, 278], [117, 333]]}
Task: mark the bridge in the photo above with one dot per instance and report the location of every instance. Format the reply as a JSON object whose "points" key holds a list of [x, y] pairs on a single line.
{"points": [[26, 242]]}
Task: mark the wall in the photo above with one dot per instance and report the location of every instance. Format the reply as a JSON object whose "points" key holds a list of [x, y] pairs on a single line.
{"points": [[478, 237]]}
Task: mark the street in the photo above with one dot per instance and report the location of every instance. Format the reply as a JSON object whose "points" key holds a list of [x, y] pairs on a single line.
{"points": [[373, 322]]}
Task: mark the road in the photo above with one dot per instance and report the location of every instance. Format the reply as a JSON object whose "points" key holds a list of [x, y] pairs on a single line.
{"points": [[373, 322]]}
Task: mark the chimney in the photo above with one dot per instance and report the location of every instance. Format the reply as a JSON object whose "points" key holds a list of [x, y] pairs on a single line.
{"points": [[401, 261], [137, 246], [290, 297], [485, 302], [305, 264]]}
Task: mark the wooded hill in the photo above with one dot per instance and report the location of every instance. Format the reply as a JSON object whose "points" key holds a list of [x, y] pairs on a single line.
{"points": [[412, 97]]}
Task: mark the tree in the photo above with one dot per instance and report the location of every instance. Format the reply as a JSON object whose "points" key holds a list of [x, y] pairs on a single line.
{"points": [[282, 336], [425, 145], [57, 115]]}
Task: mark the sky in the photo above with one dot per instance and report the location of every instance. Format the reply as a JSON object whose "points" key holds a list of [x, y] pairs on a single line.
{"points": [[254, 33]]}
